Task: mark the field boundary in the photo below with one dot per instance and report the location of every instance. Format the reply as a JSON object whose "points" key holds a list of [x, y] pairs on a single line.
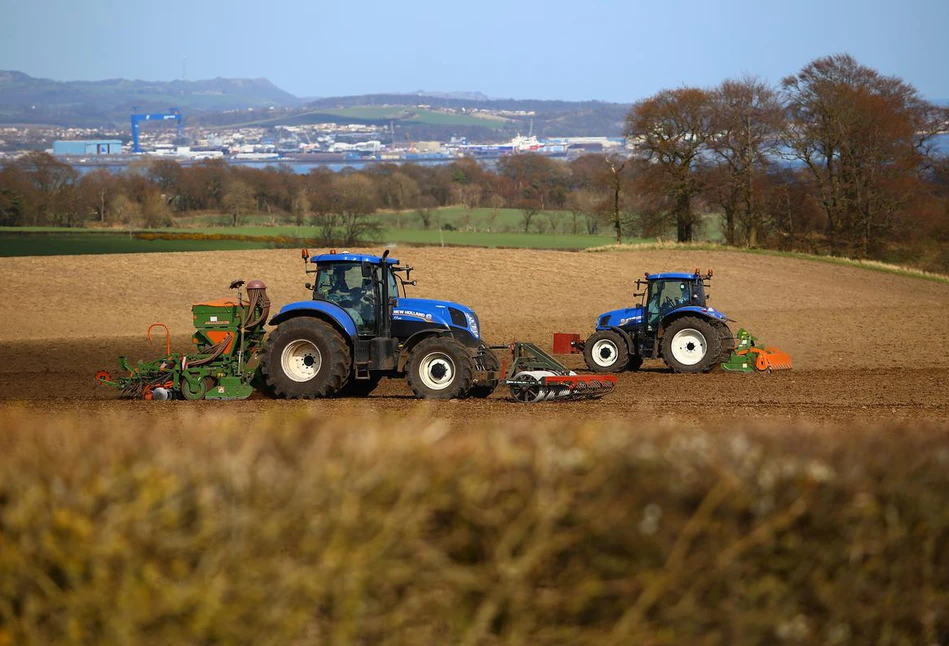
{"points": [[872, 265]]}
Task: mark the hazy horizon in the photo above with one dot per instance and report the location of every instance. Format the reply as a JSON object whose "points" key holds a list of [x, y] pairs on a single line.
{"points": [[608, 51]]}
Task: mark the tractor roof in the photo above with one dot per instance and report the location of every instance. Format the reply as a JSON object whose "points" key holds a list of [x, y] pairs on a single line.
{"points": [[351, 257], [672, 275]]}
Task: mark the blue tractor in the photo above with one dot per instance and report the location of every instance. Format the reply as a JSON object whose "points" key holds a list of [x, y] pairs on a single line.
{"points": [[359, 327], [673, 322]]}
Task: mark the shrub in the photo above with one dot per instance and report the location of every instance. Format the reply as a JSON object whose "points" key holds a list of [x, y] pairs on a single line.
{"points": [[409, 533]]}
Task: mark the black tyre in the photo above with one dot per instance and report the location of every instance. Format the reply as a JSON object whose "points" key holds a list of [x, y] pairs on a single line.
{"points": [[358, 387], [727, 341], [305, 358], [691, 344], [606, 351], [440, 368]]}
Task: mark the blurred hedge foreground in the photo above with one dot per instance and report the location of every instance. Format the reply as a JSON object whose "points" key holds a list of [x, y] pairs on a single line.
{"points": [[415, 533]]}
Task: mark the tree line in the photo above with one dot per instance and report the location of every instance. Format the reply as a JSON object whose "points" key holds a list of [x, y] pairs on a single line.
{"points": [[837, 158]]}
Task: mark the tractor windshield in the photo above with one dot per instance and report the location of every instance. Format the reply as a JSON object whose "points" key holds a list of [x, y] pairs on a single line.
{"points": [[667, 294]]}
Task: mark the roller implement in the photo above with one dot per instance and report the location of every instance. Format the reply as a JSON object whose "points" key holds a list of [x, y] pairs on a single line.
{"points": [[535, 376], [228, 334], [672, 322]]}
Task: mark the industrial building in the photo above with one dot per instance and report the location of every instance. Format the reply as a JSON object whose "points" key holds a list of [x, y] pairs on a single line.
{"points": [[88, 147]]}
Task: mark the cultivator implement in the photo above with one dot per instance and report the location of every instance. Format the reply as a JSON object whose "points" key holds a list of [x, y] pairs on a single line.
{"points": [[751, 356], [227, 336], [535, 376]]}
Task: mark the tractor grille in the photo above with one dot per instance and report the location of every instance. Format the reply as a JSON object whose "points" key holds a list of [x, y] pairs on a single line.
{"points": [[458, 317]]}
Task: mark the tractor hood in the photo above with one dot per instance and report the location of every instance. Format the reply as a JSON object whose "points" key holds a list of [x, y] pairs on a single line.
{"points": [[625, 318], [438, 312]]}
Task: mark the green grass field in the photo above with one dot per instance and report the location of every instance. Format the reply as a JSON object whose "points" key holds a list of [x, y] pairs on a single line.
{"points": [[380, 113], [41, 243], [454, 226]]}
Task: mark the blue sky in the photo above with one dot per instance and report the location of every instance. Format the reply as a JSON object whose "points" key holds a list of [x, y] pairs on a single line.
{"points": [[610, 50]]}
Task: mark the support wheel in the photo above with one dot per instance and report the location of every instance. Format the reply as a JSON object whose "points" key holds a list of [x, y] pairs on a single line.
{"points": [[440, 368], [305, 358], [196, 391], [691, 344], [606, 351]]}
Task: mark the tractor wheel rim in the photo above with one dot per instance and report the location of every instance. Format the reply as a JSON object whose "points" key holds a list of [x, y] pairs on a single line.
{"points": [[688, 346], [605, 353], [301, 360], [437, 371]]}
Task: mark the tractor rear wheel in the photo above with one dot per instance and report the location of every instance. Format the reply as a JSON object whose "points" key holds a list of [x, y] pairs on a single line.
{"points": [[305, 358], [691, 344], [606, 351], [440, 368]]}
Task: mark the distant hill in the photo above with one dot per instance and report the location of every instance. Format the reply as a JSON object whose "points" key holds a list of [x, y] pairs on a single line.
{"points": [[25, 99], [422, 115], [219, 102]]}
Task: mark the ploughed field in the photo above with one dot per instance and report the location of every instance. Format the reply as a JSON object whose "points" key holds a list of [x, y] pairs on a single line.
{"points": [[868, 347]]}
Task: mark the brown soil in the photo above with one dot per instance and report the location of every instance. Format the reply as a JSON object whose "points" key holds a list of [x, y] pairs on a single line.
{"points": [[865, 344]]}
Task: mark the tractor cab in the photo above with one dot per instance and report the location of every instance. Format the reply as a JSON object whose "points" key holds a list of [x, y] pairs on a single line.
{"points": [[670, 291], [352, 285]]}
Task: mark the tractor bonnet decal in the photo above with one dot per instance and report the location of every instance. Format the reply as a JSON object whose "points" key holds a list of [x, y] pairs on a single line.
{"points": [[418, 315]]}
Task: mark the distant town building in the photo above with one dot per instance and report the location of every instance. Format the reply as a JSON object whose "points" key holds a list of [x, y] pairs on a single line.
{"points": [[88, 147]]}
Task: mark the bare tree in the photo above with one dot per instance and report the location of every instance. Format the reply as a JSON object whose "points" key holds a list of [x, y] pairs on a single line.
{"points": [[355, 204], [238, 200], [864, 139], [670, 130], [615, 178], [747, 124]]}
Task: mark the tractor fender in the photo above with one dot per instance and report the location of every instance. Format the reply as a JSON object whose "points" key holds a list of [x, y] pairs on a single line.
{"points": [[694, 310], [326, 311], [409, 344]]}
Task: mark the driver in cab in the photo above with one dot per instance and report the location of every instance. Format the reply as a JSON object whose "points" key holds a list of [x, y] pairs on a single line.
{"points": [[346, 287]]}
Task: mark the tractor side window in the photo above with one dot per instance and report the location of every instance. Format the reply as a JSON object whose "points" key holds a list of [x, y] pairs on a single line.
{"points": [[665, 296], [393, 286], [343, 284]]}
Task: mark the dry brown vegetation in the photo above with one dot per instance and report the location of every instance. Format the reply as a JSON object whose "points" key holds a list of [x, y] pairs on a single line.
{"points": [[324, 531]]}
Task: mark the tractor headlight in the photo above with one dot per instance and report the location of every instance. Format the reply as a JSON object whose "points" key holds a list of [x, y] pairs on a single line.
{"points": [[473, 325]]}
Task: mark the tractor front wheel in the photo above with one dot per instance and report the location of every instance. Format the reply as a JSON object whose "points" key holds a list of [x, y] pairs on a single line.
{"points": [[305, 358], [440, 368], [606, 351], [691, 344]]}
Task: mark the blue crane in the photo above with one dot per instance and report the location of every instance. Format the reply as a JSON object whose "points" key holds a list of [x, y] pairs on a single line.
{"points": [[173, 113]]}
